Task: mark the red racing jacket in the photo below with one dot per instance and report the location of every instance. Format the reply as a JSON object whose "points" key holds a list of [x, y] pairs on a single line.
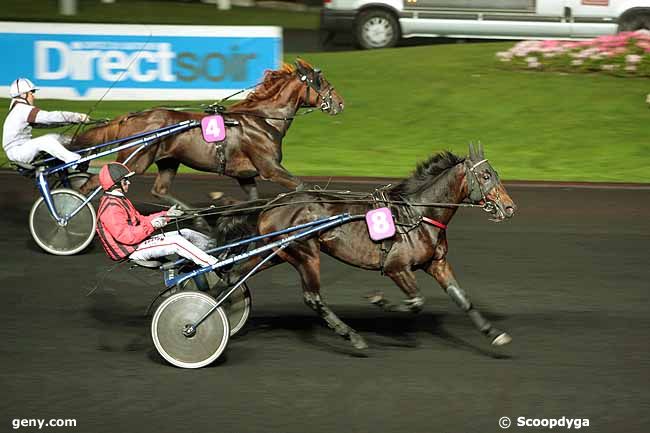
{"points": [[120, 227]]}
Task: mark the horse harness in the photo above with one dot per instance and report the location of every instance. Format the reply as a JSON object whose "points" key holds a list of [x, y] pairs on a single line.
{"points": [[476, 191], [315, 84], [414, 220]]}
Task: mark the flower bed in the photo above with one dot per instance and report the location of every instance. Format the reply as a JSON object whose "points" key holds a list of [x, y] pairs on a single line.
{"points": [[623, 54]]}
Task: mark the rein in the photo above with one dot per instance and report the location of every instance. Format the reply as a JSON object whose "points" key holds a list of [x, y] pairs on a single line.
{"points": [[261, 116], [218, 107], [356, 198]]}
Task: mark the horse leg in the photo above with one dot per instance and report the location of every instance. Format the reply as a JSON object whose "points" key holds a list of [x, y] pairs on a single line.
{"points": [[91, 184], [405, 280], [307, 263], [442, 272], [167, 169], [249, 186], [275, 172]]}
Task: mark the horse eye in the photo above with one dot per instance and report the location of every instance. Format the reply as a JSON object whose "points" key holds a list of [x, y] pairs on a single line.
{"points": [[486, 176]]}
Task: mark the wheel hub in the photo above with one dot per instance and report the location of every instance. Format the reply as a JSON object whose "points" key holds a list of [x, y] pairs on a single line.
{"points": [[189, 331], [378, 31]]}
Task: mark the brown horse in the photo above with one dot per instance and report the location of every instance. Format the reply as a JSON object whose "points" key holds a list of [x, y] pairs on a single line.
{"points": [[422, 206], [251, 148]]}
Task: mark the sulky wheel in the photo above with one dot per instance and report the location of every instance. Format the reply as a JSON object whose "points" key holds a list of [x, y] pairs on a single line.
{"points": [[63, 239], [72, 181], [237, 306], [194, 349]]}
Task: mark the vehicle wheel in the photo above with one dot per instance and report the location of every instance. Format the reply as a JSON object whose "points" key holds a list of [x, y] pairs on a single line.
{"points": [[635, 21], [237, 306], [73, 181], [65, 240], [202, 347], [377, 28]]}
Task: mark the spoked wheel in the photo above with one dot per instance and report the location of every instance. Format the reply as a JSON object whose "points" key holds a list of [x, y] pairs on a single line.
{"points": [[63, 240], [237, 306], [195, 349], [73, 181]]}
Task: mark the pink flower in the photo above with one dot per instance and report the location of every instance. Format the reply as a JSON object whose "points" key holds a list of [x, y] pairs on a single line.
{"points": [[644, 45], [633, 58], [550, 43], [630, 68], [576, 62], [608, 67]]}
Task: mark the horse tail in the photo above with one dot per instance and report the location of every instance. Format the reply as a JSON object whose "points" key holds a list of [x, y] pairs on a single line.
{"points": [[239, 221]]}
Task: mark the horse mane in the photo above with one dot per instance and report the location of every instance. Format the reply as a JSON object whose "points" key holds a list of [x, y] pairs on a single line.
{"points": [[426, 173], [270, 85]]}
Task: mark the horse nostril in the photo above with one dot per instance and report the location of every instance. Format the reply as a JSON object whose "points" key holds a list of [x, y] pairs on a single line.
{"points": [[510, 211]]}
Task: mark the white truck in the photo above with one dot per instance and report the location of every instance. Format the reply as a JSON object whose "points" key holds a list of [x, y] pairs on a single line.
{"points": [[381, 23]]}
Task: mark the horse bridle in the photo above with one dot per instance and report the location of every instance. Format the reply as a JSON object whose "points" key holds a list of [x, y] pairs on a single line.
{"points": [[478, 192], [315, 85]]}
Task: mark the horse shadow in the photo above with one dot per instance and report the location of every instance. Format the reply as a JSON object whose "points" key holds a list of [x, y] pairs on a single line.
{"points": [[383, 331], [390, 331]]}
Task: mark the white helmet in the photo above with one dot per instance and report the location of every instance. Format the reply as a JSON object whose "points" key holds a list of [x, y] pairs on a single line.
{"points": [[20, 86]]}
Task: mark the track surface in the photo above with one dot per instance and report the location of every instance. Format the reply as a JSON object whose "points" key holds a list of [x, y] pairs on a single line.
{"points": [[567, 277]]}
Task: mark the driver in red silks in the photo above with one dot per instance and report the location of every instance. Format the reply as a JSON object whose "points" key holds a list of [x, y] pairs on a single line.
{"points": [[125, 233]]}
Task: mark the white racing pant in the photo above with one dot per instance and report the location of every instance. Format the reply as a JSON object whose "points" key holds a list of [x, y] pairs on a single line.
{"points": [[50, 143], [185, 242]]}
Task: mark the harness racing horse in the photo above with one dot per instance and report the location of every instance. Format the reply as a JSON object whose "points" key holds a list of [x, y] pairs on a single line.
{"points": [[253, 147], [422, 206]]}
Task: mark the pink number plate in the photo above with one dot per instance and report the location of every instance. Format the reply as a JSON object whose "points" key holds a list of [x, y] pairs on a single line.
{"points": [[213, 128], [380, 224]]}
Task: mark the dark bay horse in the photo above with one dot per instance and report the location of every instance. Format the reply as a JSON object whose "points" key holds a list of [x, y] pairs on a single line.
{"points": [[252, 148], [419, 244]]}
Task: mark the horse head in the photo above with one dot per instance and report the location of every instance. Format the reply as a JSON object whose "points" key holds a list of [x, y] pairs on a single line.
{"points": [[319, 92], [484, 186]]}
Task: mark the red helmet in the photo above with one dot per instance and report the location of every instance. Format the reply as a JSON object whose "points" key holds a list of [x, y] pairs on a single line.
{"points": [[112, 173]]}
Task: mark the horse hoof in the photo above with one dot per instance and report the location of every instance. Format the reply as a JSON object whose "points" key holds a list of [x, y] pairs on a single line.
{"points": [[502, 339], [215, 195], [375, 298], [358, 342]]}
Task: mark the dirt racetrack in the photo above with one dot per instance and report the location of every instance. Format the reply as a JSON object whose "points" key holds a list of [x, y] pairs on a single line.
{"points": [[568, 278]]}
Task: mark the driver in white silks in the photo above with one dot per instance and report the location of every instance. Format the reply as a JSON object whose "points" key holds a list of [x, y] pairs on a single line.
{"points": [[17, 138], [124, 232]]}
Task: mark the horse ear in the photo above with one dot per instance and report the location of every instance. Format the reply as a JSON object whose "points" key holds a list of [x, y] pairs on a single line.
{"points": [[481, 155], [472, 152], [299, 67]]}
